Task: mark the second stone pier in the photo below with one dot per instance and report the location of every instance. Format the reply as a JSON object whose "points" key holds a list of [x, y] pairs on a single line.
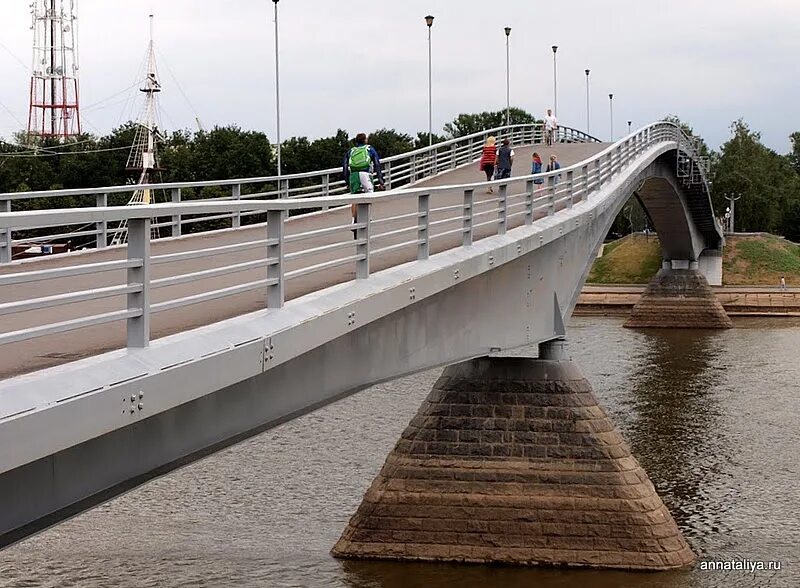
{"points": [[679, 298], [512, 460]]}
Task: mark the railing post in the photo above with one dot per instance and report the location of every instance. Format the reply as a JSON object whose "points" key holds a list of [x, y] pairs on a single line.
{"points": [[236, 194], [423, 227], [139, 249], [101, 227], [5, 235], [469, 197], [570, 188], [412, 176], [502, 210], [598, 170], [177, 228], [387, 174], [275, 293], [551, 198], [283, 188], [453, 163], [363, 212], [529, 188], [585, 175]]}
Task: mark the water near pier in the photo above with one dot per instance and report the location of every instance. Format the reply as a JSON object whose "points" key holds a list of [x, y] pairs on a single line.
{"points": [[714, 418]]}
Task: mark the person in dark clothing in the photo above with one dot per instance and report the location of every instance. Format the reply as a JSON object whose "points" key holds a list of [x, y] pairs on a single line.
{"points": [[553, 166], [505, 159]]}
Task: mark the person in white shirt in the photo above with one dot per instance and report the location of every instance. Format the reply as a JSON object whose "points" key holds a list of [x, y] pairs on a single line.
{"points": [[550, 127]]}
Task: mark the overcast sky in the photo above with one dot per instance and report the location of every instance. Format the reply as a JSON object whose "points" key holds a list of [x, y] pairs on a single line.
{"points": [[709, 62]]}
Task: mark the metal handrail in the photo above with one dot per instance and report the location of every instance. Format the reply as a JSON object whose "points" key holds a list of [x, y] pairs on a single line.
{"points": [[402, 169], [562, 188], [567, 132]]}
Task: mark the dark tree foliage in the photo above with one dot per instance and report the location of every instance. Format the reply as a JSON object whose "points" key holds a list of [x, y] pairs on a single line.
{"points": [[764, 181], [467, 124]]}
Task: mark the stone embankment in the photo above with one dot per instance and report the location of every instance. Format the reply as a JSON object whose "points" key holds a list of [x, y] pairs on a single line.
{"points": [[736, 300]]}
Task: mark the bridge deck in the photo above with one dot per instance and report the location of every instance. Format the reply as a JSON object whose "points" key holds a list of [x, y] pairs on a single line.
{"points": [[44, 352]]}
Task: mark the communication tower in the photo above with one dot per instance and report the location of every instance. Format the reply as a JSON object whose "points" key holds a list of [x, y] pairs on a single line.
{"points": [[54, 110]]}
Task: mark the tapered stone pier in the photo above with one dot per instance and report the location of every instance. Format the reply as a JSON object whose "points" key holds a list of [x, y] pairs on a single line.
{"points": [[512, 461], [679, 298]]}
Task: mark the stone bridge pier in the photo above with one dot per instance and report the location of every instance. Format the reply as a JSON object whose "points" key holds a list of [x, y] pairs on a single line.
{"points": [[679, 296], [512, 460]]}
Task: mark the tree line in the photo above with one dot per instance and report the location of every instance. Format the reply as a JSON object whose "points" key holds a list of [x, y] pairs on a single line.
{"points": [[767, 183], [221, 153]]}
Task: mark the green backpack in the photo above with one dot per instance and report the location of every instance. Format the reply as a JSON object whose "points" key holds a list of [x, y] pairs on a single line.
{"points": [[359, 158]]}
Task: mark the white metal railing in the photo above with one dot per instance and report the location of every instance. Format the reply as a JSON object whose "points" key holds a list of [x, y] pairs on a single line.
{"points": [[429, 219], [398, 170]]}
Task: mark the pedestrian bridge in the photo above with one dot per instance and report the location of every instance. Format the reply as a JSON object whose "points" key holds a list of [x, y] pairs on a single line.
{"points": [[121, 363]]}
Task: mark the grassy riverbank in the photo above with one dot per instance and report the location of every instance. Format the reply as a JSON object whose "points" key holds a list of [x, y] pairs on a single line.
{"points": [[750, 260]]}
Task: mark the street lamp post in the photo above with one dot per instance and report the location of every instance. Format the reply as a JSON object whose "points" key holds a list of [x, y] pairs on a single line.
{"points": [[629, 126], [611, 113], [555, 82], [429, 22], [732, 198], [508, 76], [277, 90], [587, 100]]}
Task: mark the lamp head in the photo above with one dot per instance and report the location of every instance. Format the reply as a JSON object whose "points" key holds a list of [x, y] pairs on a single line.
{"points": [[555, 48], [587, 72], [611, 96], [429, 20], [508, 31]]}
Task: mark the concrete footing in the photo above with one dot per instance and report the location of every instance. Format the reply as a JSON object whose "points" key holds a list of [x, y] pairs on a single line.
{"points": [[679, 298], [512, 461]]}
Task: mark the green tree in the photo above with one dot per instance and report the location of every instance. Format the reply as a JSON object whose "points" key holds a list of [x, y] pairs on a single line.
{"points": [[468, 124], [764, 180], [791, 222], [388, 142], [794, 156]]}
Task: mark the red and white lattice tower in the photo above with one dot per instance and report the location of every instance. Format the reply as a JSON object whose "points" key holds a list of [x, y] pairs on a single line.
{"points": [[54, 108]]}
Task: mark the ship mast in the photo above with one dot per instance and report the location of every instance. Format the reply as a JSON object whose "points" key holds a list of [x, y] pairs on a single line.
{"points": [[143, 158]]}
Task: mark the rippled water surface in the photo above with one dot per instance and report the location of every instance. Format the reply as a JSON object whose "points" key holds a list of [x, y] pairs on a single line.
{"points": [[714, 418]]}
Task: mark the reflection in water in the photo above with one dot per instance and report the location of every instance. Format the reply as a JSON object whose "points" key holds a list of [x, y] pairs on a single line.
{"points": [[675, 423], [714, 418]]}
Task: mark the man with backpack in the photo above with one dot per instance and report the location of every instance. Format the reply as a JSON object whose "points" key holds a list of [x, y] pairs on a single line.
{"points": [[360, 162]]}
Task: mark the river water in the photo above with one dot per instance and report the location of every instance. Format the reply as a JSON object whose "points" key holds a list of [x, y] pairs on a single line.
{"points": [[713, 417]]}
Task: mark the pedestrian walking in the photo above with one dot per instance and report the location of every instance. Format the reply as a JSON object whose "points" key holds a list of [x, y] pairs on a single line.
{"points": [[554, 165], [360, 162], [505, 159], [536, 167], [550, 128], [783, 283], [489, 160]]}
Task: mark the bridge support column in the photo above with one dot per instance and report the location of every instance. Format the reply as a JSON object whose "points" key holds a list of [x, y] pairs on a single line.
{"points": [[513, 461], [679, 297]]}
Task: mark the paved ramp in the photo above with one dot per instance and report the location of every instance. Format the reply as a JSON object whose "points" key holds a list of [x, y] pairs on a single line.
{"points": [[27, 356]]}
